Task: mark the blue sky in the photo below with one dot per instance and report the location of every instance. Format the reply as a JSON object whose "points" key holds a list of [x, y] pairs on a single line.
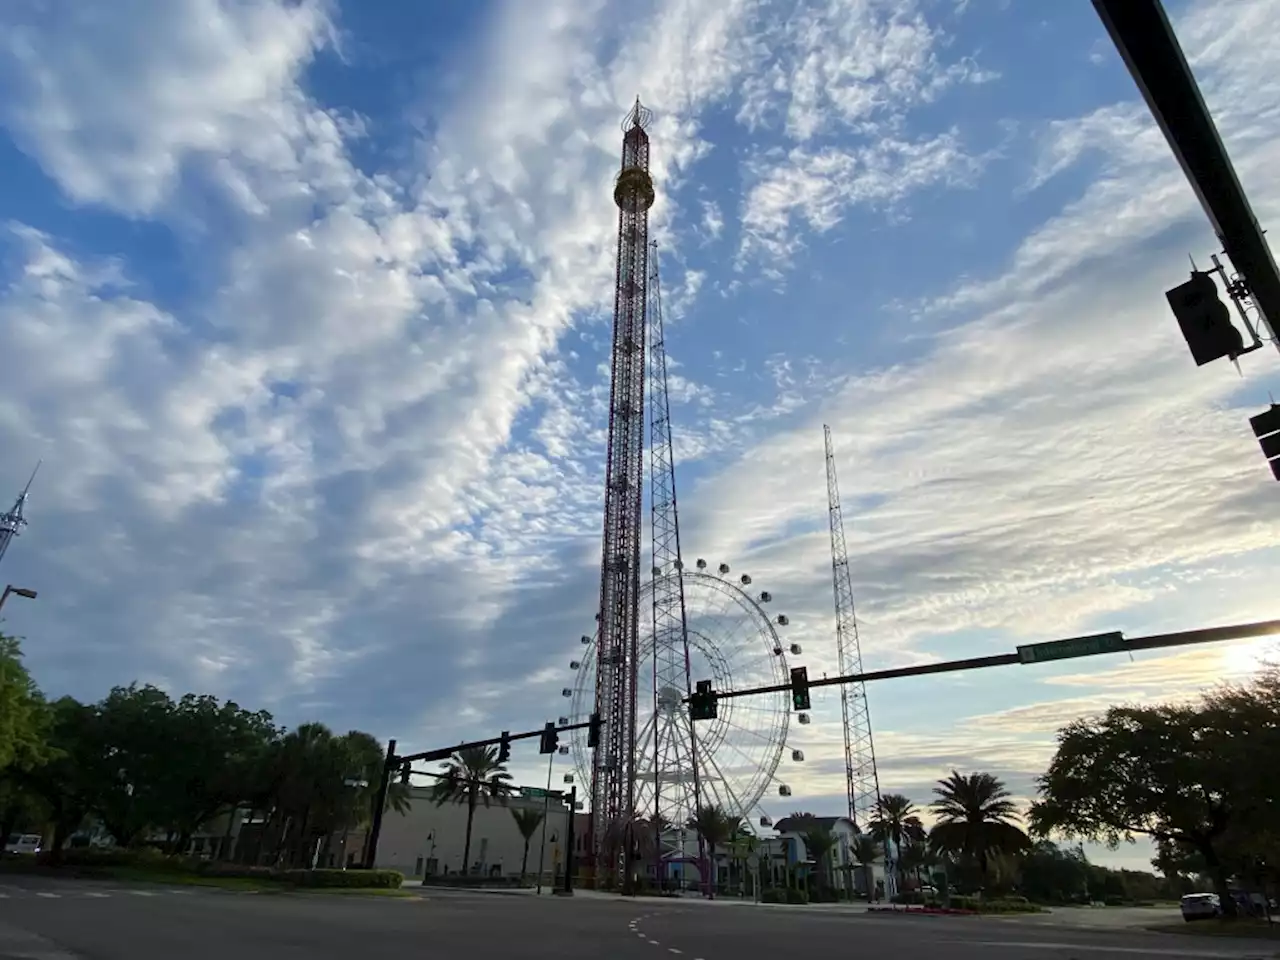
{"points": [[304, 307]]}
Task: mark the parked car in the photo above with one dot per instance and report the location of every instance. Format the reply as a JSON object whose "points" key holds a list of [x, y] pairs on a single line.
{"points": [[1200, 906], [23, 843]]}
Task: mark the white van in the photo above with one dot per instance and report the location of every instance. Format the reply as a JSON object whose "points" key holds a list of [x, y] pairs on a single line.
{"points": [[23, 843]]}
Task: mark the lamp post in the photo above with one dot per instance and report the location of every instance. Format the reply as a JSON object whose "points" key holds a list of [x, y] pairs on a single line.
{"points": [[17, 592], [355, 783]]}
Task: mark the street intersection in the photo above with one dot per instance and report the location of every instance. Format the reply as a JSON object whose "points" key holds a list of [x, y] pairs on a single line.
{"points": [[42, 919]]}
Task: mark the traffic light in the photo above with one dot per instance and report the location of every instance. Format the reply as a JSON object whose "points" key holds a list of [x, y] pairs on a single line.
{"points": [[702, 705], [800, 687], [593, 730], [1266, 427], [550, 739], [405, 771], [504, 747], [1204, 319]]}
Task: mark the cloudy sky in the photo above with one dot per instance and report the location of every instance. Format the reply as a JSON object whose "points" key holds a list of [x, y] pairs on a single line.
{"points": [[304, 307]]}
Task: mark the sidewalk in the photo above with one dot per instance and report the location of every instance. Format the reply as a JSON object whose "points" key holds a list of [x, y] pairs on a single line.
{"points": [[691, 900]]}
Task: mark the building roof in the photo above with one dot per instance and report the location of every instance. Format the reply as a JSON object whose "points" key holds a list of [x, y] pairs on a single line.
{"points": [[796, 824]]}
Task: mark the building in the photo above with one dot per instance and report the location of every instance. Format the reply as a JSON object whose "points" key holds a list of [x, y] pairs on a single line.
{"points": [[428, 840], [847, 874]]}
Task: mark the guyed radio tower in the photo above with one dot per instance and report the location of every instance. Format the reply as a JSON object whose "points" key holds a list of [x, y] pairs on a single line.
{"points": [[862, 783], [676, 787], [613, 764], [12, 521]]}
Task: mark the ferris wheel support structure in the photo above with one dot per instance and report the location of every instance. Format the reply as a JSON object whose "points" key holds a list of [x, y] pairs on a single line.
{"points": [[672, 681]]}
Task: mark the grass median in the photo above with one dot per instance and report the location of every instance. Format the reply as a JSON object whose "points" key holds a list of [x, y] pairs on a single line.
{"points": [[134, 866], [1248, 928]]}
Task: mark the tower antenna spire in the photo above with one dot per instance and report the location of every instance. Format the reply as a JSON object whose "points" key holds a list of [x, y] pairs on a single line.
{"points": [[613, 765], [13, 520], [862, 782]]}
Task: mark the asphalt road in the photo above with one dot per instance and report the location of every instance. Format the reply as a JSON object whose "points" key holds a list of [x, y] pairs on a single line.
{"points": [[42, 919]]}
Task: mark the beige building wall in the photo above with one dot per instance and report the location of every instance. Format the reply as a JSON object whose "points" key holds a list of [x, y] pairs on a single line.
{"points": [[429, 839]]}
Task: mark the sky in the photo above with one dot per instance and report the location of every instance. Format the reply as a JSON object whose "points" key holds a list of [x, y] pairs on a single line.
{"points": [[304, 306]]}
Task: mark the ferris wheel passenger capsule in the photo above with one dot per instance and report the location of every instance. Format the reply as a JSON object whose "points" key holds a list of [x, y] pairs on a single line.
{"points": [[797, 756], [782, 620], [803, 718], [784, 791], [795, 648], [702, 564], [745, 580], [679, 564], [766, 821], [777, 651], [586, 641], [766, 596], [724, 568], [575, 664], [564, 751], [562, 722], [566, 692]]}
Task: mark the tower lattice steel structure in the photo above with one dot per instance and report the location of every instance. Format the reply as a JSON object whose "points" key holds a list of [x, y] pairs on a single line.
{"points": [[862, 783], [12, 522], [676, 787], [613, 766]]}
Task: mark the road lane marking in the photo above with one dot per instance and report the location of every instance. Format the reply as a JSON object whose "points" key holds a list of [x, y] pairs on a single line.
{"points": [[48, 896], [96, 895], [143, 893], [655, 943], [673, 950]]}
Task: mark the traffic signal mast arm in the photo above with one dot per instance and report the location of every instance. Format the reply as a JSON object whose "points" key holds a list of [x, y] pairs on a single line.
{"points": [[444, 753], [1037, 653]]}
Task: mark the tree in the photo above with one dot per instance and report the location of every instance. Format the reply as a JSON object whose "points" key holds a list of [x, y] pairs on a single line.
{"points": [[715, 826], [472, 775], [65, 782], [24, 715], [895, 822], [819, 841], [865, 850], [527, 822], [913, 857], [1165, 772], [976, 819], [1053, 874]]}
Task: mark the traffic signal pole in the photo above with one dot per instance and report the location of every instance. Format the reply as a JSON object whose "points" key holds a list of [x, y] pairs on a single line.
{"points": [[1037, 653]]}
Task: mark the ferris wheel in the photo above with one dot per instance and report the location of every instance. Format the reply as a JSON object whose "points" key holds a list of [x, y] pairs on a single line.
{"points": [[733, 641]]}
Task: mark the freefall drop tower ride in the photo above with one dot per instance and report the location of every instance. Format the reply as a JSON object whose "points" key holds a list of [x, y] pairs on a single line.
{"points": [[617, 666]]}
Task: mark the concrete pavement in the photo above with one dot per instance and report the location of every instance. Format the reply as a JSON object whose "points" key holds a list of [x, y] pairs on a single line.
{"points": [[43, 919]]}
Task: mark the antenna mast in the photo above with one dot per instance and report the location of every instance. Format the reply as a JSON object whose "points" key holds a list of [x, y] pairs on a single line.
{"points": [[613, 771], [676, 788], [12, 522], [862, 783]]}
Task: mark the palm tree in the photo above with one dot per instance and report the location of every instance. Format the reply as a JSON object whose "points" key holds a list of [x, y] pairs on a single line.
{"points": [[527, 822], [976, 819], [469, 776], [715, 826], [865, 851], [913, 856], [895, 823], [819, 841]]}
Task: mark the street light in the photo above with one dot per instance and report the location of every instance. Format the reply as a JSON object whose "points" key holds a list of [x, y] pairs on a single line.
{"points": [[17, 592]]}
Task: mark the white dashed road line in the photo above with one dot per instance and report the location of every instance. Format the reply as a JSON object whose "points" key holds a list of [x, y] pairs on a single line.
{"points": [[48, 896], [673, 950]]}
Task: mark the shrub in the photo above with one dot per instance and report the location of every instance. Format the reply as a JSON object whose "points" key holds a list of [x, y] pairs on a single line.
{"points": [[367, 879], [772, 895], [796, 896]]}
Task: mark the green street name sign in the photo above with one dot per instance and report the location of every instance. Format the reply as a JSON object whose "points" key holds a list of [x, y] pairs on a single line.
{"points": [[533, 793], [1090, 646]]}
